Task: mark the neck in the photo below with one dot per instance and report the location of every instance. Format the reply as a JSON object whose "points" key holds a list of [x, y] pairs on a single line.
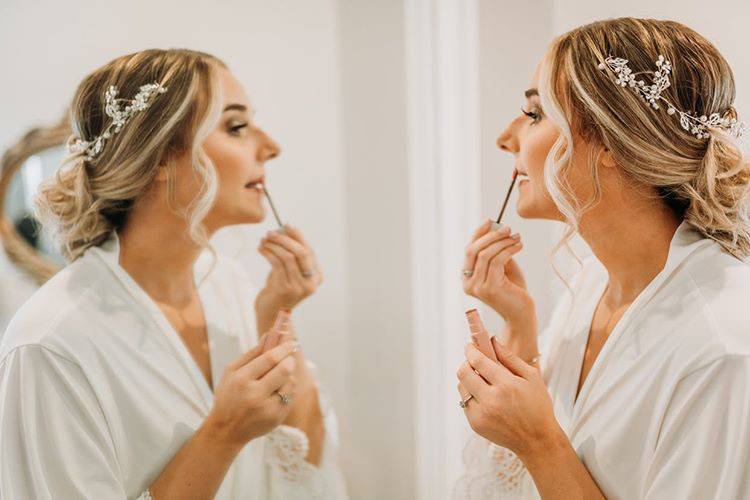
{"points": [[158, 253], [632, 243]]}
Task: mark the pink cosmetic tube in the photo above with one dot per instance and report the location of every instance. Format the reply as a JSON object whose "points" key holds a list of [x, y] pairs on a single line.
{"points": [[281, 327], [479, 336]]}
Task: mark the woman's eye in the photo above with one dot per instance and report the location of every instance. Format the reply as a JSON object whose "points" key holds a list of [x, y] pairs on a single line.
{"points": [[237, 129], [534, 115]]}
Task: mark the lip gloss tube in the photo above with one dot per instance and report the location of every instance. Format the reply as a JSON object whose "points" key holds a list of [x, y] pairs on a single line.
{"points": [[281, 327], [479, 336]]}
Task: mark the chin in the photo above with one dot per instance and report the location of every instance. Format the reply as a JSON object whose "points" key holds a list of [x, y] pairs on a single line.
{"points": [[253, 218], [527, 210], [534, 209]]}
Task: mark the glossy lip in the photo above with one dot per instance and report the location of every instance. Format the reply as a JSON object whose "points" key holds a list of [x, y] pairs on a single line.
{"points": [[259, 180]]}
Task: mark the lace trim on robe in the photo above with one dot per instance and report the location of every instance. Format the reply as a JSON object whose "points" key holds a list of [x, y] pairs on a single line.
{"points": [[490, 472]]}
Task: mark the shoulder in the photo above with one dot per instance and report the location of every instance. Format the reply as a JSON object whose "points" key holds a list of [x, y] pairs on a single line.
{"points": [[702, 313], [61, 307], [718, 293]]}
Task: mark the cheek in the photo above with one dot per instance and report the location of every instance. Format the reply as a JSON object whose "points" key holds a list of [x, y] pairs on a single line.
{"points": [[230, 161]]}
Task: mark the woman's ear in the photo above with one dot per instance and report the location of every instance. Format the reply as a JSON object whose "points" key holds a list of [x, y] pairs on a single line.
{"points": [[162, 173], [606, 158]]}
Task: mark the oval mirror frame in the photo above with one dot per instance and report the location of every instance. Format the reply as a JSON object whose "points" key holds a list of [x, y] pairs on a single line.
{"points": [[19, 251]]}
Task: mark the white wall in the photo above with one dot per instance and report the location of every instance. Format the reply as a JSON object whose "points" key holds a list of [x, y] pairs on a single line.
{"points": [[380, 361]]}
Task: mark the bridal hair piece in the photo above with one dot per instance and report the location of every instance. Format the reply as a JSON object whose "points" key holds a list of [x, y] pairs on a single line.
{"points": [[142, 130], [120, 116], [698, 126]]}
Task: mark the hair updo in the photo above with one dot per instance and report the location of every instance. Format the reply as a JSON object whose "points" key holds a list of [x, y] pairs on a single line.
{"points": [[88, 199], [705, 181]]}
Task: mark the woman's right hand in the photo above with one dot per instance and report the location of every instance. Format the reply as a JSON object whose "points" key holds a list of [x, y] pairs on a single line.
{"points": [[246, 401], [496, 279]]}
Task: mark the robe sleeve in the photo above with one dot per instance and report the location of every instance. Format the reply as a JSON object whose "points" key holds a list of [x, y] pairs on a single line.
{"points": [[703, 448], [54, 440], [290, 476]]}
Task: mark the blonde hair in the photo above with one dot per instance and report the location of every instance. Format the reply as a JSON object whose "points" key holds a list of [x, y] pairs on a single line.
{"points": [[88, 199], [705, 181]]}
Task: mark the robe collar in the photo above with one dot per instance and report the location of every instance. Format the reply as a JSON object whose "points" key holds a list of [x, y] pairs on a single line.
{"points": [[686, 241]]}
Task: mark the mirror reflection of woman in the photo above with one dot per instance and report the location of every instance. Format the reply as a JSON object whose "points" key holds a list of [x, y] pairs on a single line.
{"points": [[643, 386], [136, 372]]}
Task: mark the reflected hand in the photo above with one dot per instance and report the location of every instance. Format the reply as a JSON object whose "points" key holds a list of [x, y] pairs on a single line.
{"points": [[246, 400], [294, 276]]}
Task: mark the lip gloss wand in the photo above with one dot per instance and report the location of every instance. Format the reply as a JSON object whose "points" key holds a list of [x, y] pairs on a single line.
{"points": [[273, 209], [496, 223]]}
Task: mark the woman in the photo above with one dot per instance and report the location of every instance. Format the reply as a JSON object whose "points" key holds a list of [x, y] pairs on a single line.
{"points": [[136, 371], [643, 387]]}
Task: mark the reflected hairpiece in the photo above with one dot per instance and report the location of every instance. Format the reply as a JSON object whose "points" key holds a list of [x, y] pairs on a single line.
{"points": [[120, 116], [651, 93]]}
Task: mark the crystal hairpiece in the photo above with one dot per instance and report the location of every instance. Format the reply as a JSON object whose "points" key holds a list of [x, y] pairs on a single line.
{"points": [[698, 126], [119, 117]]}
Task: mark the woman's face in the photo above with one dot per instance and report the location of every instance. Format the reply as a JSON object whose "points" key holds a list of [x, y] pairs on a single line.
{"points": [[239, 150], [529, 137]]}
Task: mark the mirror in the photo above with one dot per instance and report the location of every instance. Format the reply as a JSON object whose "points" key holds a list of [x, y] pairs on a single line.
{"points": [[36, 156]]}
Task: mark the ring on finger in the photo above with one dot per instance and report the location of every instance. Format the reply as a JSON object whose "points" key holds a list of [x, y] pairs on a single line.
{"points": [[285, 400], [468, 273], [465, 402], [307, 273]]}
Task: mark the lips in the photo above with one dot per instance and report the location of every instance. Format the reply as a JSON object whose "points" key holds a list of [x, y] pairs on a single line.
{"points": [[256, 183], [521, 175]]}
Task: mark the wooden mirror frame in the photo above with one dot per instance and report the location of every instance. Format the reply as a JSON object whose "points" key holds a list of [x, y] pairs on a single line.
{"points": [[20, 253]]}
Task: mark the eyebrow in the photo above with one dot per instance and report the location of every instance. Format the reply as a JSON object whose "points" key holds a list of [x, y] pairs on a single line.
{"points": [[531, 93], [236, 107]]}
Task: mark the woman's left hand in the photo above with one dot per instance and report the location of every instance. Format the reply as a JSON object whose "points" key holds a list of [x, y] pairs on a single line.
{"points": [[510, 405], [295, 273]]}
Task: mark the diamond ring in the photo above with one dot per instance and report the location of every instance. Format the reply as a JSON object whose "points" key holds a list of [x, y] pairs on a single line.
{"points": [[285, 400]]}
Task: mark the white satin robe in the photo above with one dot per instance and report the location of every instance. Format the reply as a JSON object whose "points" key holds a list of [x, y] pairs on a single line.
{"points": [[665, 410], [98, 392]]}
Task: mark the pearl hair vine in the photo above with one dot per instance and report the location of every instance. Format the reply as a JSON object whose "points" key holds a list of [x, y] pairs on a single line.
{"points": [[651, 93], [119, 115]]}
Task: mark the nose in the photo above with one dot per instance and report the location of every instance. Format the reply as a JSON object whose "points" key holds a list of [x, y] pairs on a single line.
{"points": [[269, 149], [508, 139]]}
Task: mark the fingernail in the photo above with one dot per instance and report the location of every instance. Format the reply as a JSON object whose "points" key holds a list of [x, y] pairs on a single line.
{"points": [[516, 236], [295, 347]]}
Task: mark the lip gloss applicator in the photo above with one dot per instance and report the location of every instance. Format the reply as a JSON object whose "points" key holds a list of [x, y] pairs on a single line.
{"points": [[273, 209], [496, 223]]}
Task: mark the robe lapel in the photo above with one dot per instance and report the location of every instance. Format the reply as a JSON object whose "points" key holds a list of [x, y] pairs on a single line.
{"points": [[685, 242], [109, 252]]}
